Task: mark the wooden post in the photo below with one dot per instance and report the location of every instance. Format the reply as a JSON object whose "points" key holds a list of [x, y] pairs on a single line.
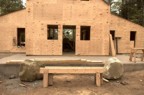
{"points": [[133, 54], [112, 49], [45, 80], [98, 81]]}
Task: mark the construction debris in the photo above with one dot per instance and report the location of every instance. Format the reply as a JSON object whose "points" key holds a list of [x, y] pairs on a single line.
{"points": [[105, 80], [22, 85], [112, 49], [12, 77], [123, 83]]}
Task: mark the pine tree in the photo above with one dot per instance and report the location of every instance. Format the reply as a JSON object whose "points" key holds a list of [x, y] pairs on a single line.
{"points": [[7, 6], [133, 10]]}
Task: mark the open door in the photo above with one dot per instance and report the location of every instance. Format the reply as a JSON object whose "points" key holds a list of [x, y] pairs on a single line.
{"points": [[69, 39]]}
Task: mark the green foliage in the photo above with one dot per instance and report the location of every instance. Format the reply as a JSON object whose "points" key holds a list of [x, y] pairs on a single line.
{"points": [[7, 6], [132, 10], [116, 7]]}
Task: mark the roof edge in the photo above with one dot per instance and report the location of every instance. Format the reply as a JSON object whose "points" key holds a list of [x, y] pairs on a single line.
{"points": [[126, 20], [12, 12]]}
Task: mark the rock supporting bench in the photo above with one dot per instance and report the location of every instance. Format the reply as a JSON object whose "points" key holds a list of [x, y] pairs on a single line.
{"points": [[48, 70]]}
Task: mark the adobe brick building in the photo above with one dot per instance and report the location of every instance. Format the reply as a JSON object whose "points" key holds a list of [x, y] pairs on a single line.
{"points": [[55, 27]]}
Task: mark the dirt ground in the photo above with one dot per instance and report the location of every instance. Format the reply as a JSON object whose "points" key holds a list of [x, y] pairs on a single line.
{"points": [[132, 83]]}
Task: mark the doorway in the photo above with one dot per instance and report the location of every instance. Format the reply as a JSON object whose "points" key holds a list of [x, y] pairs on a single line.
{"points": [[20, 36], [112, 32], [69, 32], [133, 38]]}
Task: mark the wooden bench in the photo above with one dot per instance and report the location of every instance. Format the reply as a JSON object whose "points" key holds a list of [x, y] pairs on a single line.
{"points": [[48, 70], [133, 53]]}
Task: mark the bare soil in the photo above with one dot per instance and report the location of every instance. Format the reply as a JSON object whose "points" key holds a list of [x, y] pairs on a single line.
{"points": [[132, 83]]}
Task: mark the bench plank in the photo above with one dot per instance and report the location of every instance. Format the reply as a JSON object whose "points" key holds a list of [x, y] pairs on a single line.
{"points": [[72, 70]]}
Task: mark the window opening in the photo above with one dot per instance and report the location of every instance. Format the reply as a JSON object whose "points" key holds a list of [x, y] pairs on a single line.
{"points": [[52, 32], [85, 33]]}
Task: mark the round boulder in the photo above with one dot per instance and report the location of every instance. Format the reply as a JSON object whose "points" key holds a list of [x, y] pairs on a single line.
{"points": [[29, 71], [114, 68]]}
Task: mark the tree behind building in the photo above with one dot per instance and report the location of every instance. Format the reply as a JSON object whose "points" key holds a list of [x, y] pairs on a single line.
{"points": [[7, 6]]}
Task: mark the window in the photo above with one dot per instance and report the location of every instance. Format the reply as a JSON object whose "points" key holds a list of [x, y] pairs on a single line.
{"points": [[112, 32], [20, 36], [52, 32], [132, 36], [85, 33]]}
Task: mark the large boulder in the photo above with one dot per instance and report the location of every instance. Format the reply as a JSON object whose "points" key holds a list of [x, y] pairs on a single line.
{"points": [[114, 68], [29, 71]]}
